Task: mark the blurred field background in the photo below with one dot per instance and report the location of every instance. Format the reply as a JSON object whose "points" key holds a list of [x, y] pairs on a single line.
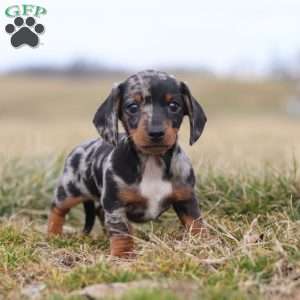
{"points": [[248, 121]]}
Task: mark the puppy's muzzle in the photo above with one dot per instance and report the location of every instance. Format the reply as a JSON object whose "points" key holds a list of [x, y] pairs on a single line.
{"points": [[156, 134], [156, 144]]}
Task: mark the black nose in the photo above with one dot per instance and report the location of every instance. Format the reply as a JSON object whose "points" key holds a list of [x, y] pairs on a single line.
{"points": [[156, 134]]}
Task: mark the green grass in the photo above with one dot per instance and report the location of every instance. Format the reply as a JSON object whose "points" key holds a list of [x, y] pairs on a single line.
{"points": [[254, 250], [252, 193]]}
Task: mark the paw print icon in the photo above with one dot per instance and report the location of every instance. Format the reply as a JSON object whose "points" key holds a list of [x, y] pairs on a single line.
{"points": [[24, 33]]}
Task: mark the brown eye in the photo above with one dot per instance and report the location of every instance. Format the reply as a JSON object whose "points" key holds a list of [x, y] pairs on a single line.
{"points": [[174, 107], [132, 108]]}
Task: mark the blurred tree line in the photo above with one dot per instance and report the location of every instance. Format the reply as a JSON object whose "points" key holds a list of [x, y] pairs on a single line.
{"points": [[279, 68]]}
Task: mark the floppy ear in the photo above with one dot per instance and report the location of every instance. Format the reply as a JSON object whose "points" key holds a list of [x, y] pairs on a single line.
{"points": [[195, 112], [107, 116]]}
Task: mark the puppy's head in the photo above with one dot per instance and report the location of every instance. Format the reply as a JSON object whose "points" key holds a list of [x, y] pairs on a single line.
{"points": [[151, 106]]}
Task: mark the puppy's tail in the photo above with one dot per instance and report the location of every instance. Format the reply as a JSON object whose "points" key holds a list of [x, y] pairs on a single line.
{"points": [[90, 216]]}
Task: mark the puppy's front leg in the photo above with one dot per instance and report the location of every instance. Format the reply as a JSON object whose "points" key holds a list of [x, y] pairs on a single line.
{"points": [[116, 221], [119, 230], [189, 214]]}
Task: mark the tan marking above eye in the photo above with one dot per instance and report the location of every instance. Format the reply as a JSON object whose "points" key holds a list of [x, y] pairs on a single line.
{"points": [[168, 97], [137, 98]]}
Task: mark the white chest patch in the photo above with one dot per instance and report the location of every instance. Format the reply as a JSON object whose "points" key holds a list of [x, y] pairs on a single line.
{"points": [[153, 187]]}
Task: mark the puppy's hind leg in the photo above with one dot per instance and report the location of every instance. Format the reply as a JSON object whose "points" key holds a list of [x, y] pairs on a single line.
{"points": [[90, 216], [58, 212], [91, 210], [101, 217]]}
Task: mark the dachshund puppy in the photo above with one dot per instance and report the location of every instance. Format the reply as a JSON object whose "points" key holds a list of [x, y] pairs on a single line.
{"points": [[138, 175]]}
